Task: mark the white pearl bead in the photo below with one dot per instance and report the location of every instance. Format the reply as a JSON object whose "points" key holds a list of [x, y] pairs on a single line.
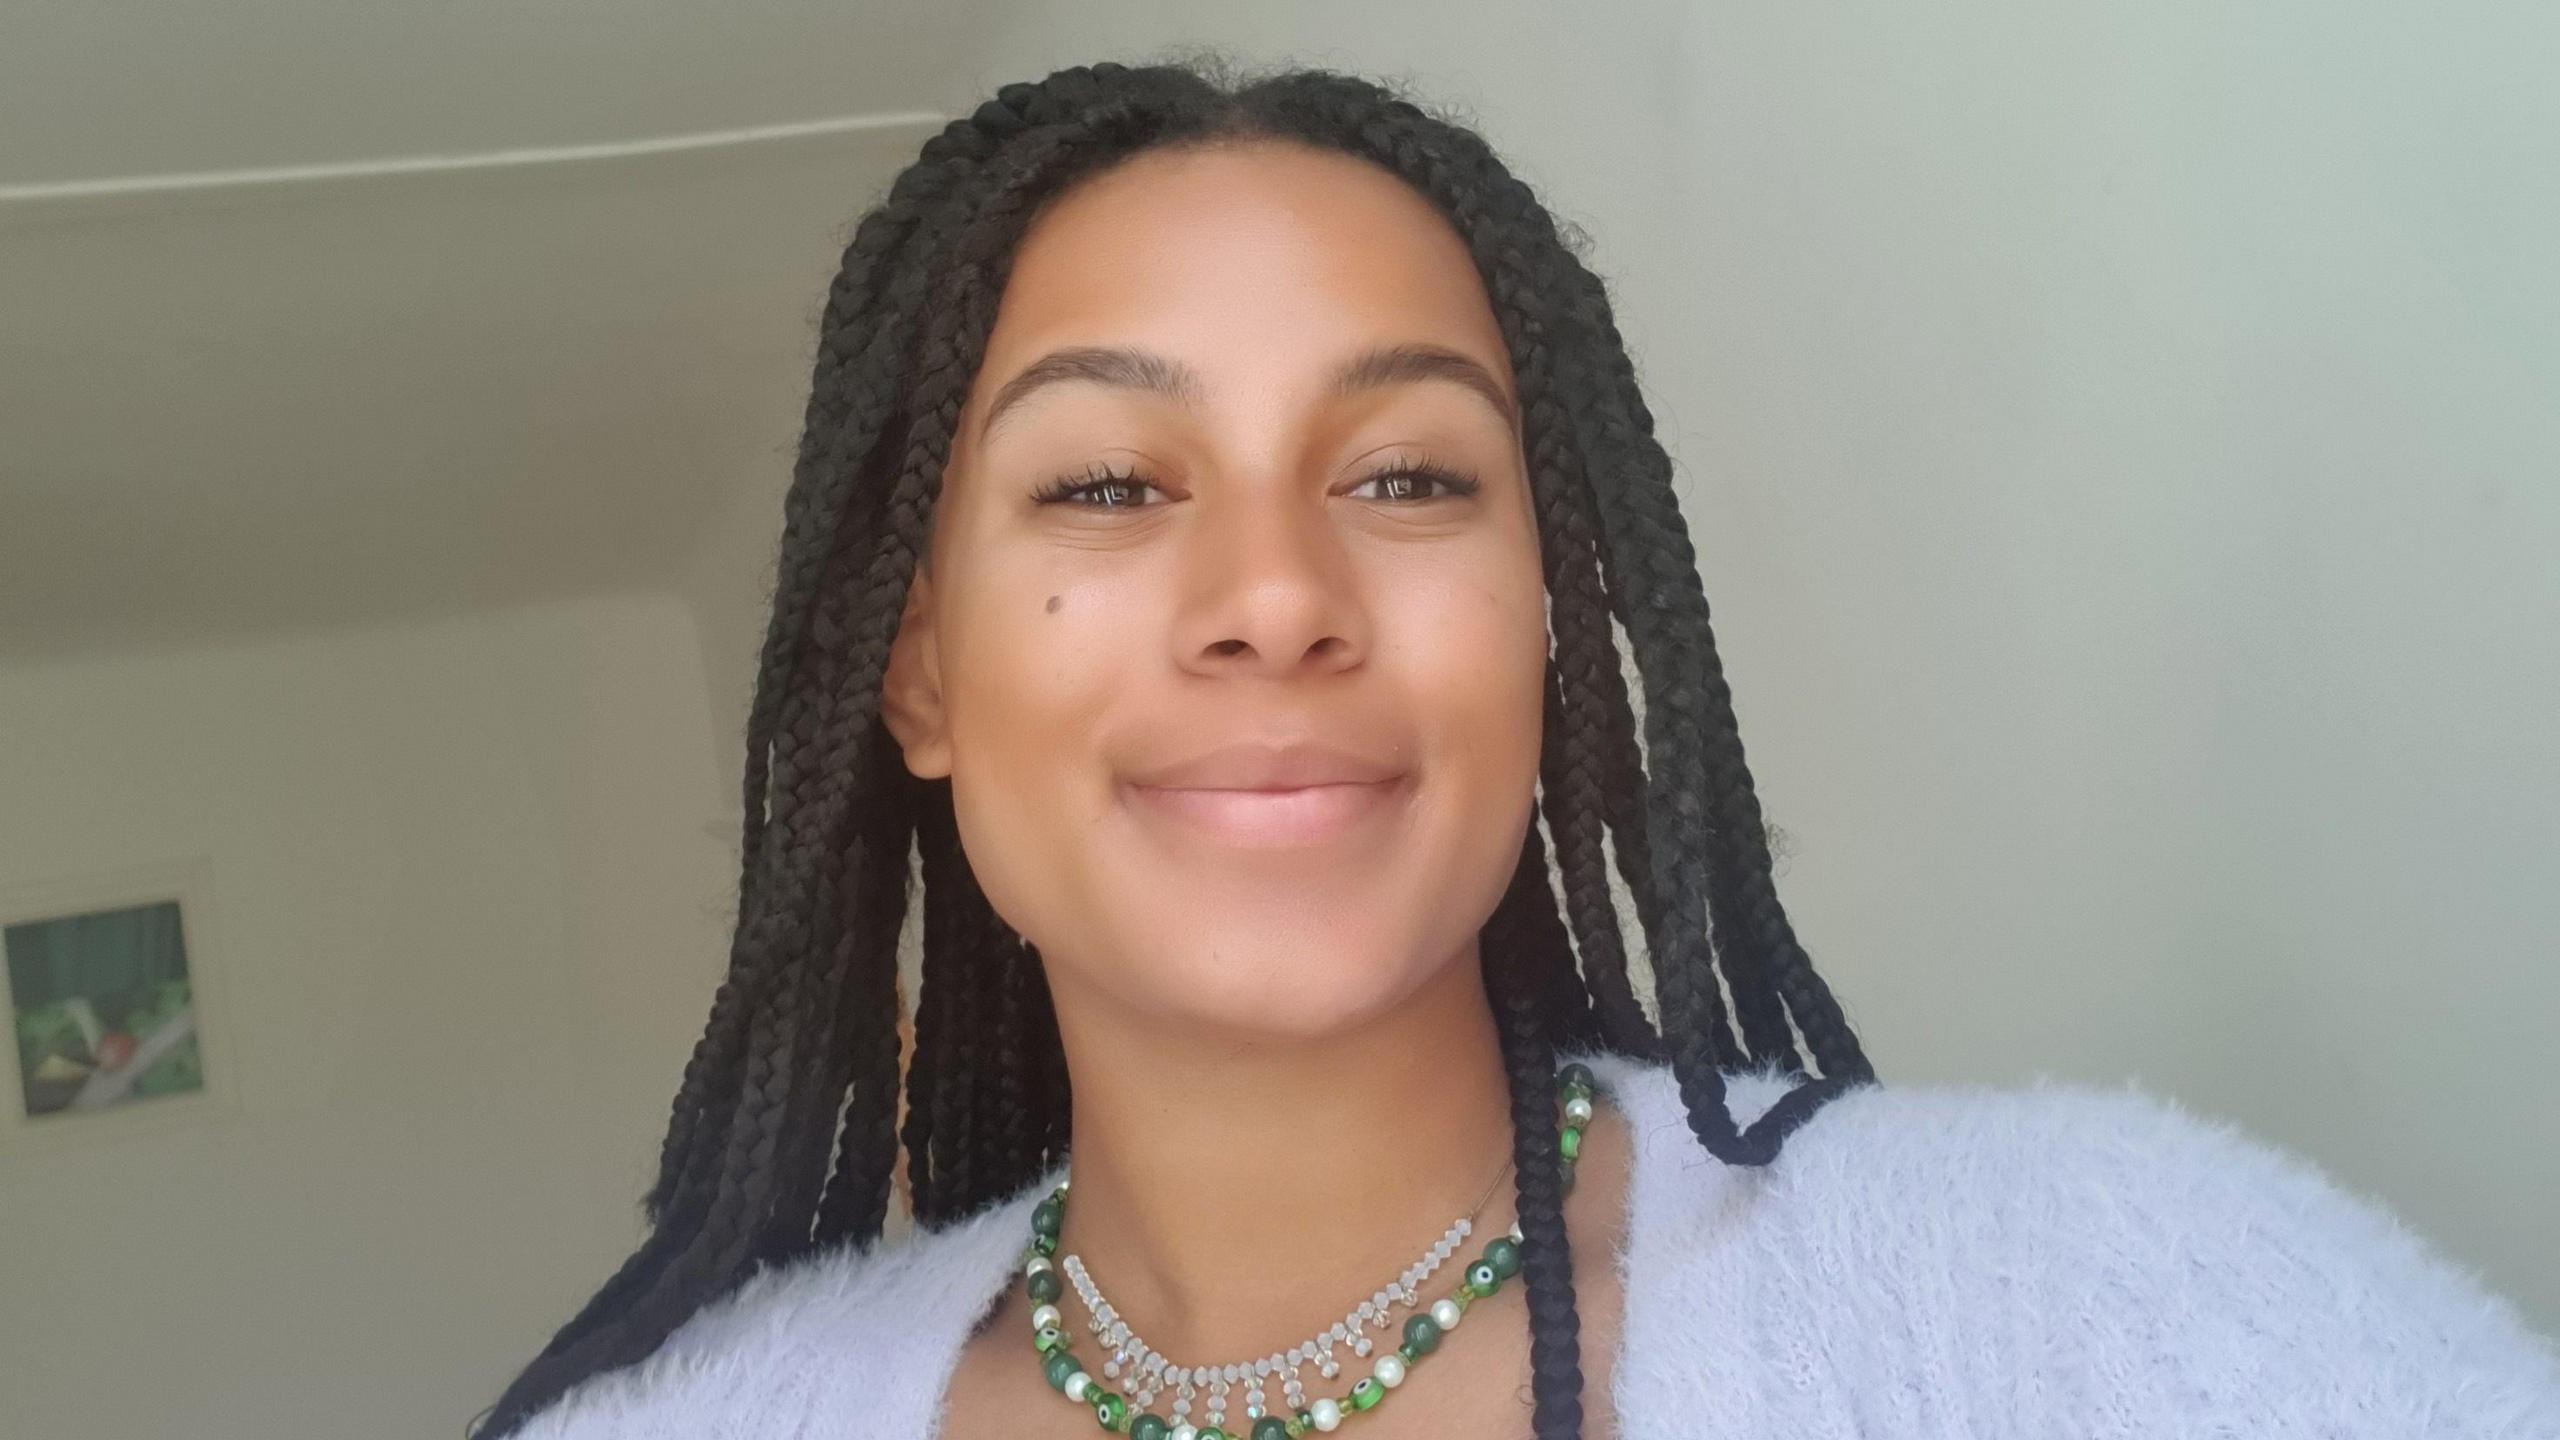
{"points": [[1036, 1264], [1327, 1413], [1578, 1110], [1390, 1371], [1077, 1385], [1446, 1314], [1045, 1315], [1185, 1431]]}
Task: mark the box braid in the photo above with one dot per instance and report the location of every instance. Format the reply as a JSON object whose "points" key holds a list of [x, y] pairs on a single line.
{"points": [[786, 1130], [1518, 941]]}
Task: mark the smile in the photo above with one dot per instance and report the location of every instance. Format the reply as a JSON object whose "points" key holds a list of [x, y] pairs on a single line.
{"points": [[1272, 818]]}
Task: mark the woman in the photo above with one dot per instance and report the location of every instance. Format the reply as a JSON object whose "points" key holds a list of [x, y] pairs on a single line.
{"points": [[1196, 478]]}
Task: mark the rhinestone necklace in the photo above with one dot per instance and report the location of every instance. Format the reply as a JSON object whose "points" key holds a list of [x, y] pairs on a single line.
{"points": [[1150, 1373]]}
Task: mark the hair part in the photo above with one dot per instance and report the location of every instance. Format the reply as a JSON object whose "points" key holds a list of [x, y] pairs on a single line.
{"points": [[784, 1135]]}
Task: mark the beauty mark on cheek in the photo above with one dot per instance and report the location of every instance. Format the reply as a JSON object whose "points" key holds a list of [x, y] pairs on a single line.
{"points": [[1053, 604]]}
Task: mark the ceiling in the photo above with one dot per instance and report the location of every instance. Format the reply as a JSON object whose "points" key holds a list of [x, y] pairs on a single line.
{"points": [[311, 316]]}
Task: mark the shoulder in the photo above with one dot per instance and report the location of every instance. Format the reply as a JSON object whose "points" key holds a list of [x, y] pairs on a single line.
{"points": [[2107, 1255], [842, 1341]]}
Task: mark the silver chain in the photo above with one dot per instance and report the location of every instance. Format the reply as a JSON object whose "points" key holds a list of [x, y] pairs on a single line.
{"points": [[1151, 1373]]}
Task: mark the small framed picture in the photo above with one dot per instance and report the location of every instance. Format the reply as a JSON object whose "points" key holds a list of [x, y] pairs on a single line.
{"points": [[107, 1010]]}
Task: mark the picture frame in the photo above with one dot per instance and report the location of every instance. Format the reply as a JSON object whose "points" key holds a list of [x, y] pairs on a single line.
{"points": [[113, 1016]]}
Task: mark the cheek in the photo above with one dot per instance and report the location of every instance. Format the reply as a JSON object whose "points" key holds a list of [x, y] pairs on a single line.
{"points": [[1471, 657], [1029, 668], [1036, 665], [1469, 641]]}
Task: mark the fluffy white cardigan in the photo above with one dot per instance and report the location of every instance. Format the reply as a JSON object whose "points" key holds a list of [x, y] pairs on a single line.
{"points": [[1920, 1261]]}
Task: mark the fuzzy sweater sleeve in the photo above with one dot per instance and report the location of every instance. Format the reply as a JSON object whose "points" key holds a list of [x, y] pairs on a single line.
{"points": [[2061, 1260]]}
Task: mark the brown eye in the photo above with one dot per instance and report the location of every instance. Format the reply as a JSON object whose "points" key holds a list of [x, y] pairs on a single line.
{"points": [[1416, 482], [1100, 488]]}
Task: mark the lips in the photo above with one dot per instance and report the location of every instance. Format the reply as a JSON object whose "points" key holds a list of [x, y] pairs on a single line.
{"points": [[1265, 765], [1262, 795]]}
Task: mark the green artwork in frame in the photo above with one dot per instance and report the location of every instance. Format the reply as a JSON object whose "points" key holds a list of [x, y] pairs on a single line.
{"points": [[103, 1009]]}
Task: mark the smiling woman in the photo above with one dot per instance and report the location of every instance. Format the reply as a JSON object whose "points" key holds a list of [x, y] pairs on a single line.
{"points": [[1216, 509], [1291, 662]]}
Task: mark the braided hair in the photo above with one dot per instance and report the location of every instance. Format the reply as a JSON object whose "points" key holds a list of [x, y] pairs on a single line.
{"points": [[785, 1133]]}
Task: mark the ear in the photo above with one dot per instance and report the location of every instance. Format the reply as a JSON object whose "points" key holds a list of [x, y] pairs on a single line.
{"points": [[911, 689]]}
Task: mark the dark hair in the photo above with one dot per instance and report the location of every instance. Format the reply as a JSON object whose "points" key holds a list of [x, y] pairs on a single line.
{"points": [[785, 1133]]}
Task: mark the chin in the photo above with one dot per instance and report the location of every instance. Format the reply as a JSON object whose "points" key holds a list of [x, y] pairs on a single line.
{"points": [[1269, 981]]}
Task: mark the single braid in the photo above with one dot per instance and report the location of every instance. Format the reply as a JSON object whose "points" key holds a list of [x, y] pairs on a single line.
{"points": [[1512, 956], [952, 965], [1019, 1152]]}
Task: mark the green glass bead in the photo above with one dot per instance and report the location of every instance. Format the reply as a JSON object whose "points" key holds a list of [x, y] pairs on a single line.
{"points": [[1149, 1426], [1108, 1410], [1570, 1143], [1270, 1427], [1422, 1333], [1212, 1433], [1305, 1420], [1504, 1256], [1042, 1286], [1060, 1364], [1045, 1244], [1048, 1215], [1481, 1279], [1408, 1353], [1577, 1073], [1047, 1338], [1367, 1394]]}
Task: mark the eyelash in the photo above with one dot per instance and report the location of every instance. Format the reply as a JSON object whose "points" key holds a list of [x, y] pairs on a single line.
{"points": [[1065, 488]]}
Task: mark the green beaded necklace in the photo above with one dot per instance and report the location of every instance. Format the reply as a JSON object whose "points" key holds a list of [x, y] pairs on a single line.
{"points": [[1422, 1331]]}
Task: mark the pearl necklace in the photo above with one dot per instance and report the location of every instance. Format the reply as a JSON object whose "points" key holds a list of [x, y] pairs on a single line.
{"points": [[1152, 1373]]}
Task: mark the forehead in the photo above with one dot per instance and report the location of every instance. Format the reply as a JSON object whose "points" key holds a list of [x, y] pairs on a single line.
{"points": [[1250, 253]]}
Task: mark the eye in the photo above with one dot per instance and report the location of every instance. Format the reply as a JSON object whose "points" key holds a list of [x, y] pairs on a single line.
{"points": [[1096, 488], [1418, 480]]}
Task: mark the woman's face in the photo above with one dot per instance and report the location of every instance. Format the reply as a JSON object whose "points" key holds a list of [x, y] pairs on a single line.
{"points": [[1232, 631]]}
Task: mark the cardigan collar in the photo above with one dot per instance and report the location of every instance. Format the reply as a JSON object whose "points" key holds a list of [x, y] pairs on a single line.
{"points": [[1674, 1189]]}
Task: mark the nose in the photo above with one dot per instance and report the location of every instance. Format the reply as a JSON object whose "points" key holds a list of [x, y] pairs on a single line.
{"points": [[1272, 590]]}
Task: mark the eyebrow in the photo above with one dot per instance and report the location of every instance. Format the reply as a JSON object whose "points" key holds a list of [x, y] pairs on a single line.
{"points": [[1127, 368]]}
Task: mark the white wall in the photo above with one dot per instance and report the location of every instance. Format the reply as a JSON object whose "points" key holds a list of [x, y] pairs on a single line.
{"points": [[2121, 446], [728, 592], [467, 913]]}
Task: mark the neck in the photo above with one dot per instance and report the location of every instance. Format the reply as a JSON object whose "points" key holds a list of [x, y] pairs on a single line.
{"points": [[1235, 1194]]}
